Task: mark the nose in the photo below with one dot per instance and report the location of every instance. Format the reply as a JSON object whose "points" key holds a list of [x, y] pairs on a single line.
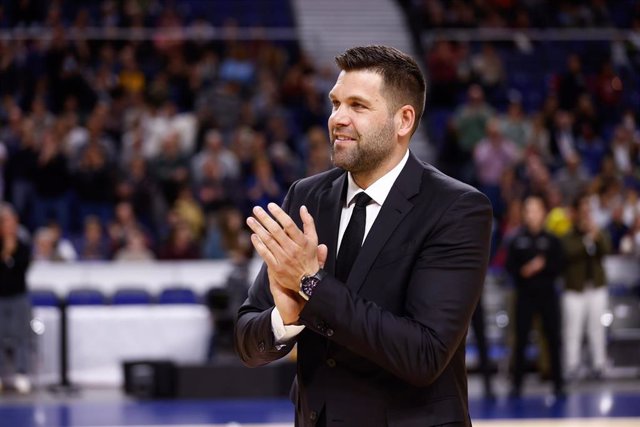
{"points": [[339, 117]]}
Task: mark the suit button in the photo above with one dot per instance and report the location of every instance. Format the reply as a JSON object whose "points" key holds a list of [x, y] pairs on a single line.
{"points": [[331, 363], [261, 347], [329, 332], [313, 416]]}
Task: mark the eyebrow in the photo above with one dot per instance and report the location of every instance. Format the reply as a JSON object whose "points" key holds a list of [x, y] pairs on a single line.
{"points": [[355, 98]]}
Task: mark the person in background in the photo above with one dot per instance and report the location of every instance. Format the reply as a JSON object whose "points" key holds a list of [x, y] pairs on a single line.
{"points": [[535, 260], [50, 245], [585, 296], [15, 306], [135, 248], [93, 244]]}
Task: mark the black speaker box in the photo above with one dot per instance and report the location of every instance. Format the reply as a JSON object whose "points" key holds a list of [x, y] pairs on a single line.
{"points": [[150, 378]]}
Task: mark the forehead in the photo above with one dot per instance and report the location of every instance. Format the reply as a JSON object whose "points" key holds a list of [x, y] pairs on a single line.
{"points": [[364, 84]]}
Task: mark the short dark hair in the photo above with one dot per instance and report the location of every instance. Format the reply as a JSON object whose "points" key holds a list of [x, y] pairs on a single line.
{"points": [[400, 73]]}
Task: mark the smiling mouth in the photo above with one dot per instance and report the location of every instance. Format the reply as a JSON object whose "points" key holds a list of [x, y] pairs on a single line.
{"points": [[343, 139]]}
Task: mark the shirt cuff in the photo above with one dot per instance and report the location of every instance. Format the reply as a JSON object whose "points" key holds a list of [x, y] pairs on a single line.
{"points": [[282, 332]]}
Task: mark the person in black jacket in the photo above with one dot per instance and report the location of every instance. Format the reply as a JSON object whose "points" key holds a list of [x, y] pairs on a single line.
{"points": [[15, 306], [535, 260], [373, 268]]}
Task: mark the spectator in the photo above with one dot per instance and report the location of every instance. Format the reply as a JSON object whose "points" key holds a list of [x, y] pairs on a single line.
{"points": [[515, 125], [93, 244], [487, 66], [15, 305], [630, 243], [137, 187], [493, 156], [51, 179], [21, 167], [443, 71], [124, 223], [171, 168], [319, 158], [539, 139], [622, 149], [50, 245], [563, 139], [94, 183], [189, 211], [135, 248], [262, 187], [585, 297], [235, 236], [572, 83], [214, 149], [616, 228], [572, 179], [535, 260], [180, 245], [471, 119]]}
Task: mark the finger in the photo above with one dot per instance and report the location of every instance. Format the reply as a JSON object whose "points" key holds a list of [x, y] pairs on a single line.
{"points": [[309, 226], [272, 226], [323, 251], [263, 251], [266, 238], [287, 224]]}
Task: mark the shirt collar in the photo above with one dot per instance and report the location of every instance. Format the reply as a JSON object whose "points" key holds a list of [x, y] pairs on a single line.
{"points": [[379, 190]]}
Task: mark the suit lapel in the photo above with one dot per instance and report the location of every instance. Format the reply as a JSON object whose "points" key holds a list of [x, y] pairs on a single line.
{"points": [[328, 218], [393, 211]]}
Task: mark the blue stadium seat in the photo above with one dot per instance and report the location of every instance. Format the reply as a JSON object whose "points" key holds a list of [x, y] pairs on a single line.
{"points": [[44, 298], [131, 296], [177, 295], [85, 297]]}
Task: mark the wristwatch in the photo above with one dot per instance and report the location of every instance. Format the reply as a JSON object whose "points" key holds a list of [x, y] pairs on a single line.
{"points": [[309, 283]]}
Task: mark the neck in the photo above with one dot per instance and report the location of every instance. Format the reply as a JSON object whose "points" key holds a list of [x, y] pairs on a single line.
{"points": [[365, 178]]}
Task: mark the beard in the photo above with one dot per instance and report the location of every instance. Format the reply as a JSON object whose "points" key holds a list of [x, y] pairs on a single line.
{"points": [[369, 151]]}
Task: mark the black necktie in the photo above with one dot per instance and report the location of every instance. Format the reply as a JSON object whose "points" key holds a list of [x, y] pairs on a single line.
{"points": [[353, 236]]}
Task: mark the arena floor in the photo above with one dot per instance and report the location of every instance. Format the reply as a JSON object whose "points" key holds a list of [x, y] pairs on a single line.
{"points": [[606, 403]]}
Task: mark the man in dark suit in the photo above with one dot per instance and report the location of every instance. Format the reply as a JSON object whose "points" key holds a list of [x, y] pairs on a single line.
{"points": [[373, 268]]}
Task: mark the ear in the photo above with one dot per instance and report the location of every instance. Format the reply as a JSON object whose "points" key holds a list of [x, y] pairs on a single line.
{"points": [[405, 118]]}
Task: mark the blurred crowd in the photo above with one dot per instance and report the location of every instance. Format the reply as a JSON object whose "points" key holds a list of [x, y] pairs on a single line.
{"points": [[560, 130], [159, 147], [142, 149], [523, 14]]}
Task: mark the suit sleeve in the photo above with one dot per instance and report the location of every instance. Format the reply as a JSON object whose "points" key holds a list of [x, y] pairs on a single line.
{"points": [[254, 340], [441, 295]]}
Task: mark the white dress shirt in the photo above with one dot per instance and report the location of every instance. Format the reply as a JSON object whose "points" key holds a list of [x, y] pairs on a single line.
{"points": [[378, 191]]}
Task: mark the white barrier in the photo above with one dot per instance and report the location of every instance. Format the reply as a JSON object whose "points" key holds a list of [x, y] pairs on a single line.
{"points": [[107, 277]]}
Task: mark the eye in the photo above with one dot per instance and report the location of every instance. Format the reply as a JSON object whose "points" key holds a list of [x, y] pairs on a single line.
{"points": [[358, 106], [335, 104]]}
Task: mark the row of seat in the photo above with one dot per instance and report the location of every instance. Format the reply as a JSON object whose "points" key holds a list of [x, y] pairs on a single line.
{"points": [[125, 296]]}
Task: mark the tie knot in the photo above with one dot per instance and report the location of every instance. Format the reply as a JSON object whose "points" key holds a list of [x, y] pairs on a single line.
{"points": [[361, 200]]}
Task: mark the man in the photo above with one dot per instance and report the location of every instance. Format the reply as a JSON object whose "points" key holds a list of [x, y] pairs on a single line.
{"points": [[535, 260], [15, 307], [381, 340], [585, 297]]}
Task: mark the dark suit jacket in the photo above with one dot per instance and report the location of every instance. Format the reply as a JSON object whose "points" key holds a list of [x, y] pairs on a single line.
{"points": [[388, 346]]}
